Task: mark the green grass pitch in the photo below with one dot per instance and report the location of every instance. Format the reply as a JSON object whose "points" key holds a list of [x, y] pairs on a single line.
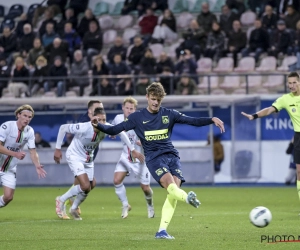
{"points": [[221, 222]]}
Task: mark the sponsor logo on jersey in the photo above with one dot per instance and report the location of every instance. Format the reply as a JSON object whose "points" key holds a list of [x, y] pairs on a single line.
{"points": [[144, 122], [155, 135], [159, 172], [165, 119]]}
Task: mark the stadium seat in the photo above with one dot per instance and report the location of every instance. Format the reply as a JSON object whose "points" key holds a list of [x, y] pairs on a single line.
{"points": [[218, 92], [128, 33], [225, 64], [204, 65], [50, 94], [129, 50], [124, 22], [7, 22], [248, 18], [249, 30], [274, 81], [117, 9], [2, 11], [101, 8], [156, 48], [286, 62], [253, 81], [15, 10], [214, 82], [109, 36], [230, 82], [184, 19], [267, 64], [106, 22], [217, 6], [261, 91], [31, 10], [245, 64], [172, 50], [71, 93], [239, 92], [180, 6]]}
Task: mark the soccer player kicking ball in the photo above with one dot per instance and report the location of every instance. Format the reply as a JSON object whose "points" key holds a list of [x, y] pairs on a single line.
{"points": [[13, 137], [291, 103], [154, 125], [125, 164], [79, 156]]}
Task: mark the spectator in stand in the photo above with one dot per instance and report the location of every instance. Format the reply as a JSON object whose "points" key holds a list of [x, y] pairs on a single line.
{"points": [[79, 6], [280, 40], [129, 5], [136, 53], [19, 86], [119, 67], [142, 85], [258, 42], [40, 142], [69, 18], [205, 19], [57, 48], [166, 78], [297, 39], [166, 30], [237, 40], [72, 38], [186, 64], [118, 48], [153, 4], [99, 69], [227, 18], [4, 73], [56, 6], [40, 72], [291, 18], [57, 69], [92, 41], [215, 42], [269, 19], [50, 35], [48, 19], [148, 63], [35, 52], [19, 29], [236, 5], [85, 21], [194, 40], [147, 24], [125, 87], [79, 72], [164, 61], [26, 42], [282, 6], [186, 86], [106, 88], [8, 44]]}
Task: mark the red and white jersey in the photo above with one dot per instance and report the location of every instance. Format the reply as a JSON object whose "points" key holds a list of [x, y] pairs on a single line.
{"points": [[131, 135], [14, 139], [84, 142]]}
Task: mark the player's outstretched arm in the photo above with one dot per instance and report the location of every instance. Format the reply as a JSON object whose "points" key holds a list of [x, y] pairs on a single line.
{"points": [[219, 124], [108, 129], [35, 159], [261, 113]]}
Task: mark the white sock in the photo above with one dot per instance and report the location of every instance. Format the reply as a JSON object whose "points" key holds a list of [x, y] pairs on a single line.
{"points": [[79, 199], [2, 203], [149, 198], [75, 190], [121, 193]]}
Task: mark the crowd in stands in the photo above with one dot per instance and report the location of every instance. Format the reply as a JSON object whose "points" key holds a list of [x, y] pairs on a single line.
{"points": [[56, 48]]}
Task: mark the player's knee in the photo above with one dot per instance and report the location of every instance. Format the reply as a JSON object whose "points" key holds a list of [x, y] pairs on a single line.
{"points": [[93, 184], [117, 181], [145, 188], [85, 187]]}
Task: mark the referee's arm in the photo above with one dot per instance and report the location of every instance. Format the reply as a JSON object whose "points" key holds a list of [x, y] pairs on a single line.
{"points": [[261, 113]]}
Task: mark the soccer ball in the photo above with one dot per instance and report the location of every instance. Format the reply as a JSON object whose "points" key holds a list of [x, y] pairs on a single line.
{"points": [[260, 216]]}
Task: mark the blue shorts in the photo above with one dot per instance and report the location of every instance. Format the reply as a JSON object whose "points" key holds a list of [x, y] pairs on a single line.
{"points": [[165, 163]]}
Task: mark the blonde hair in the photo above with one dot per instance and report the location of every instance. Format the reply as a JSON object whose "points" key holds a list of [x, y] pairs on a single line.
{"points": [[131, 100], [22, 108], [19, 58]]}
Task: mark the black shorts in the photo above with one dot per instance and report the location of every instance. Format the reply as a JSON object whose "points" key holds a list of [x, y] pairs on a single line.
{"points": [[297, 147]]}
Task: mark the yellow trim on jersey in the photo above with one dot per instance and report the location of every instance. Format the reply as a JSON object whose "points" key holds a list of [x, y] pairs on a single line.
{"points": [[156, 132]]}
